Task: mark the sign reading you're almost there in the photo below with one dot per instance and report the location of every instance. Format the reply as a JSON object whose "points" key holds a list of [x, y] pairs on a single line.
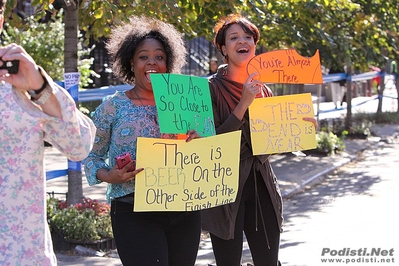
{"points": [[287, 67], [183, 102], [187, 176]]}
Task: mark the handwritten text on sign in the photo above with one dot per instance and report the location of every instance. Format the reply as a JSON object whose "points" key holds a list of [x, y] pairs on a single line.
{"points": [[277, 126], [187, 176], [183, 103], [286, 66]]}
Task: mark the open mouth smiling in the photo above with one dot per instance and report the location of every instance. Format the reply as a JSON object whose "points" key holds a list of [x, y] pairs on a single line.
{"points": [[147, 74], [243, 50]]}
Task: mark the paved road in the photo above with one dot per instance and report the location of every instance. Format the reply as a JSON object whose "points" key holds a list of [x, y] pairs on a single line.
{"points": [[354, 209]]}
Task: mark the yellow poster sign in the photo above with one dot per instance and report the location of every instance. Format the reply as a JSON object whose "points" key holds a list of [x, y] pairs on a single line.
{"points": [[286, 66], [277, 124], [187, 176]]}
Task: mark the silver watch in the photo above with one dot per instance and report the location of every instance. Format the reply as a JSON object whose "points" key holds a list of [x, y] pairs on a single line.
{"points": [[44, 97]]}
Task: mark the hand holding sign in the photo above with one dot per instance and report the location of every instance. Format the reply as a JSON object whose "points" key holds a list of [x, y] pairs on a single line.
{"points": [[277, 124], [184, 176], [183, 103]]}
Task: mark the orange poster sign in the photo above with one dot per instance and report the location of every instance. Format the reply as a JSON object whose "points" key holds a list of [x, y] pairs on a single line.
{"points": [[286, 66]]}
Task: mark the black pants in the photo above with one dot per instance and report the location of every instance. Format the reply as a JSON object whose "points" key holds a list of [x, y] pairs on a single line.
{"points": [[228, 252], [155, 238]]}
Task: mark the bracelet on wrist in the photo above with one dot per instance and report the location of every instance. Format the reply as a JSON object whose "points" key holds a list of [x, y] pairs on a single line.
{"points": [[44, 96], [35, 93]]}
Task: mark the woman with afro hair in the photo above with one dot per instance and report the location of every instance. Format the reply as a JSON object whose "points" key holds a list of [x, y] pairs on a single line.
{"points": [[138, 48]]}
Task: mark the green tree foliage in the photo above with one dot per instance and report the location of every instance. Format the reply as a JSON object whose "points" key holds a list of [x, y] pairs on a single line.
{"points": [[354, 32], [96, 18], [345, 32], [45, 43]]}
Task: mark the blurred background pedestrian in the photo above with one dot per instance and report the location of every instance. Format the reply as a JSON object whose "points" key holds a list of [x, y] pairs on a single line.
{"points": [[338, 88]]}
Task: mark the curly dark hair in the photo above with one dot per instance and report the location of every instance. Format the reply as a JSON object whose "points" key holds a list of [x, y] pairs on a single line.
{"points": [[2, 6], [127, 37], [224, 23]]}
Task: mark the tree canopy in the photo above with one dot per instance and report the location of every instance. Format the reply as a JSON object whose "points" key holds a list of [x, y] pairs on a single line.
{"points": [[46, 40], [356, 32]]}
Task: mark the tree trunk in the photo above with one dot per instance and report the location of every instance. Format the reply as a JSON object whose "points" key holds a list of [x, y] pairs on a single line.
{"points": [[380, 96], [397, 90], [301, 88], [348, 120], [75, 187], [397, 84]]}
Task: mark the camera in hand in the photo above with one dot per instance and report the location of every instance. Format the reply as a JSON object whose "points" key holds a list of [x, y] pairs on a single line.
{"points": [[11, 66]]}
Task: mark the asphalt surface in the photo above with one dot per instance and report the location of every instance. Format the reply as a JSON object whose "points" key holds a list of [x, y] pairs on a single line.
{"points": [[352, 209]]}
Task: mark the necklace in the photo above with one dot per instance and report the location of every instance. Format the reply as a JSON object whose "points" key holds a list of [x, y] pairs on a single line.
{"points": [[135, 92]]}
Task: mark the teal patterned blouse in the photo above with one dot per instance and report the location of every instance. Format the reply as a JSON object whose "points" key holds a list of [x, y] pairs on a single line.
{"points": [[119, 122]]}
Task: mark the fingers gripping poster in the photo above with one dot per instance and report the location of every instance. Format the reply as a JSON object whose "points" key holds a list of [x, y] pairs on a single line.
{"points": [[183, 102], [187, 176], [277, 124]]}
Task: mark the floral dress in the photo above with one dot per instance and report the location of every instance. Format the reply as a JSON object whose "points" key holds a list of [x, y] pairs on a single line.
{"points": [[24, 233]]}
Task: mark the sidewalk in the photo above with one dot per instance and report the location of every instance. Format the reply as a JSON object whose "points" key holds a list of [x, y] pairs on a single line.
{"points": [[295, 173]]}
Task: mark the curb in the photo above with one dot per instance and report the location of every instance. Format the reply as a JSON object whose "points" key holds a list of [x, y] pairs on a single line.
{"points": [[319, 177], [316, 179]]}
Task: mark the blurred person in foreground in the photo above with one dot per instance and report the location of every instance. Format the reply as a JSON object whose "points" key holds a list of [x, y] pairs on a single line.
{"points": [[138, 48], [33, 109], [258, 208]]}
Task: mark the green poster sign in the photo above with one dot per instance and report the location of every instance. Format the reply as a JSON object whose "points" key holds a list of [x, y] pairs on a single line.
{"points": [[183, 103]]}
